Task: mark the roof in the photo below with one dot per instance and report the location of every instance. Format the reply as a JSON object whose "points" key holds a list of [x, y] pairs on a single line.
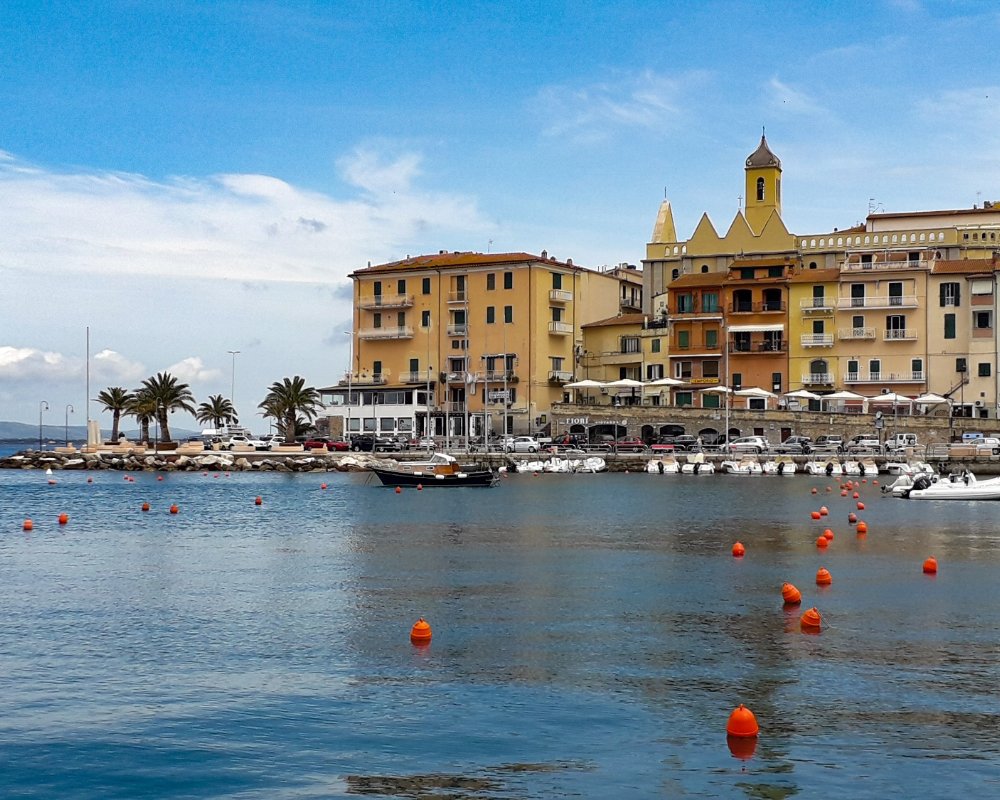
{"points": [[780, 261], [992, 209], [621, 319], [698, 279], [814, 275], [965, 266], [446, 260], [762, 156]]}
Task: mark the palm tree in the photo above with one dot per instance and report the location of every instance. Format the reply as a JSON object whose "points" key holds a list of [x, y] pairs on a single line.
{"points": [[169, 396], [218, 410], [286, 400], [116, 400], [143, 408]]}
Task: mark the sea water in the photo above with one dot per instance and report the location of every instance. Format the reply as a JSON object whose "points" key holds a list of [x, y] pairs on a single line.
{"points": [[591, 635]]}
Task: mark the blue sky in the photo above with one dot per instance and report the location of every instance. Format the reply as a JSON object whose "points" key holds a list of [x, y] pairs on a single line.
{"points": [[191, 178]]}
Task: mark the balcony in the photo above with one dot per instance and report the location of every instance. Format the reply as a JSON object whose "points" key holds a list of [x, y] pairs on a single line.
{"points": [[397, 332], [560, 296], [856, 333], [458, 329], [459, 296], [459, 376], [386, 301], [761, 307], [818, 379], [885, 377], [500, 376], [363, 379], [424, 376], [560, 328], [771, 347], [880, 266], [817, 340], [559, 376], [455, 406], [820, 305], [899, 335], [894, 301], [696, 346]]}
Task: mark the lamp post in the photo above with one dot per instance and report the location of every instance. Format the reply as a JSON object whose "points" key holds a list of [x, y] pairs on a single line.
{"points": [[42, 406], [350, 379], [232, 383], [69, 410]]}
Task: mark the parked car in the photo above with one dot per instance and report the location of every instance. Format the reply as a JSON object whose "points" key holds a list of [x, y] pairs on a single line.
{"points": [[257, 444], [630, 445], [423, 443], [372, 443], [795, 445], [687, 443], [522, 444], [238, 441], [900, 442], [325, 441], [829, 443], [864, 443], [987, 446], [749, 444]]}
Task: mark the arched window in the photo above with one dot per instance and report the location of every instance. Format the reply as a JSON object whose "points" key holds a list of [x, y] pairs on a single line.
{"points": [[675, 274], [812, 265], [760, 188], [704, 267], [818, 369]]}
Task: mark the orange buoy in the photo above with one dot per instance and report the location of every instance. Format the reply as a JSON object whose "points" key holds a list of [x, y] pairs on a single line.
{"points": [[63, 519], [742, 723], [852, 517], [258, 501], [843, 492], [861, 506], [739, 550], [811, 620], [420, 487], [399, 490], [145, 506], [856, 495], [28, 525], [814, 490], [823, 511], [822, 541], [823, 577], [815, 515], [52, 482], [90, 480], [420, 633], [864, 480], [874, 482], [828, 534], [790, 594], [930, 566], [174, 509], [159, 477], [862, 527], [322, 486], [829, 488]]}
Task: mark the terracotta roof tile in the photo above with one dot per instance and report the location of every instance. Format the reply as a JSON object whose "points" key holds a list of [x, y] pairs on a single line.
{"points": [[457, 260], [621, 319], [965, 266]]}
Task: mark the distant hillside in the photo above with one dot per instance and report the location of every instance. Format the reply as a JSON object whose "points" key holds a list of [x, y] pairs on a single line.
{"points": [[22, 432]]}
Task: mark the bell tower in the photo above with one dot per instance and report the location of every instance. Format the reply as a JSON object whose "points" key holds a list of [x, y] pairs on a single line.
{"points": [[763, 186]]}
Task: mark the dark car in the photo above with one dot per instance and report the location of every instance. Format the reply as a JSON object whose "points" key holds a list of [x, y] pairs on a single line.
{"points": [[371, 443], [795, 445], [687, 442], [829, 443]]}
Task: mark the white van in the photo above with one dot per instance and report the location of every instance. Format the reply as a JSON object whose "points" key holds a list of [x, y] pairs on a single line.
{"points": [[900, 442]]}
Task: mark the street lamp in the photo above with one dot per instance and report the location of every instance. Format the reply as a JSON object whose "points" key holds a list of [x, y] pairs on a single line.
{"points": [[232, 385], [69, 410], [42, 406], [350, 378]]}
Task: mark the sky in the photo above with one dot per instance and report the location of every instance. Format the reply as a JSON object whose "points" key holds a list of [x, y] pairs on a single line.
{"points": [[187, 179]]}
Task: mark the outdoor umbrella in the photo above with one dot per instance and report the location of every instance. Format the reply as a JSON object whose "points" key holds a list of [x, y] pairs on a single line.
{"points": [[803, 394], [891, 397], [843, 395], [584, 384], [931, 399], [752, 392], [665, 382]]}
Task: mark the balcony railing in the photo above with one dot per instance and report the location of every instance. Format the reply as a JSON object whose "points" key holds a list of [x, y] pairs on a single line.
{"points": [[855, 266], [898, 334], [761, 307], [816, 304], [363, 379], [560, 327], [885, 377], [559, 376], [501, 375], [420, 376], [818, 379], [856, 333], [888, 301], [755, 346], [386, 301], [459, 296], [397, 332], [458, 329], [560, 296], [817, 339], [459, 376], [696, 346], [455, 406]]}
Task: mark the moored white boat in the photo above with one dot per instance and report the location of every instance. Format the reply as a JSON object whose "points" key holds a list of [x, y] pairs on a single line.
{"points": [[697, 465], [780, 465], [745, 466], [830, 467], [955, 487], [666, 465]]}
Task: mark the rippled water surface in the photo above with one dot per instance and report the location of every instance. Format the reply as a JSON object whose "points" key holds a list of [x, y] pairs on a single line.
{"points": [[591, 636]]}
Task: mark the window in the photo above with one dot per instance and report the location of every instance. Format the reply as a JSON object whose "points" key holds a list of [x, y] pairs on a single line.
{"points": [[711, 400], [743, 300], [682, 370], [737, 381], [775, 381], [557, 363], [874, 369], [857, 323], [683, 398], [949, 326], [982, 320], [984, 369], [425, 286], [401, 319], [853, 370], [858, 295], [917, 368], [895, 293], [425, 319], [414, 365], [508, 280], [683, 340], [556, 313], [818, 327], [508, 314], [401, 286], [710, 301], [746, 273], [376, 367], [654, 346], [674, 274], [491, 315], [950, 294], [960, 365], [895, 326], [377, 289], [491, 281], [981, 287], [654, 372], [819, 300], [630, 344], [711, 339], [760, 189], [557, 280], [377, 319], [775, 272], [685, 303], [710, 369], [741, 342]]}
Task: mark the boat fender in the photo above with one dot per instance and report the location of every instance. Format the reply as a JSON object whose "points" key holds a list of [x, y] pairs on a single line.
{"points": [[439, 477], [660, 466], [829, 468], [462, 474], [696, 467], [781, 467], [418, 472], [861, 467]]}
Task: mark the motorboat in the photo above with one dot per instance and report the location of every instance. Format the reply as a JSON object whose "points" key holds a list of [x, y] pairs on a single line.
{"points": [[960, 486], [745, 466], [868, 467], [666, 465], [697, 465], [591, 464], [907, 467], [831, 468], [781, 465], [440, 469]]}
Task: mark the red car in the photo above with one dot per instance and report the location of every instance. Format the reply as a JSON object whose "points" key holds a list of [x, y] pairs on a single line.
{"points": [[322, 441], [633, 445]]}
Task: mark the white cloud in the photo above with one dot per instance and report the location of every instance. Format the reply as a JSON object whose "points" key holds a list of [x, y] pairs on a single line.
{"points": [[193, 370], [370, 170], [29, 363], [113, 368], [786, 98]]}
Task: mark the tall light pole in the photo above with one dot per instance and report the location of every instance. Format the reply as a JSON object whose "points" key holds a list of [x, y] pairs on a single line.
{"points": [[350, 379], [232, 384], [69, 410], [42, 406]]}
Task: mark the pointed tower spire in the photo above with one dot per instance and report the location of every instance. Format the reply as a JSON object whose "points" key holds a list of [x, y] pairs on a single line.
{"points": [[663, 230], [763, 185]]}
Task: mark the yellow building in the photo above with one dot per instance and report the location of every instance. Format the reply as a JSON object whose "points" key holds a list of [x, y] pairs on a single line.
{"points": [[812, 329], [629, 347], [474, 341]]}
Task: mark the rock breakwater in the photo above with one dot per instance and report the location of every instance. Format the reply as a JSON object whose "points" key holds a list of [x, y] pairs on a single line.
{"points": [[171, 462]]}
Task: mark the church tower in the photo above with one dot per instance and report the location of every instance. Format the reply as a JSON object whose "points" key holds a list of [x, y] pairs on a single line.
{"points": [[763, 186]]}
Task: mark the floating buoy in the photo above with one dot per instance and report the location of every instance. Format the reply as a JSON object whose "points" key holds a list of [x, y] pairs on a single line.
{"points": [[790, 594], [159, 477], [862, 528], [815, 515], [843, 492], [742, 723], [174, 509], [28, 525], [822, 541], [125, 477], [63, 519], [874, 482], [829, 488], [852, 517], [322, 486], [739, 550], [823, 577], [814, 490], [145, 506], [856, 495], [823, 511], [828, 534], [258, 500], [420, 633], [90, 480], [811, 620], [930, 566], [399, 490], [420, 487]]}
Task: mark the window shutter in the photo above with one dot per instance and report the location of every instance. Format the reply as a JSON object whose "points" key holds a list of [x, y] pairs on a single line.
{"points": [[943, 287]]}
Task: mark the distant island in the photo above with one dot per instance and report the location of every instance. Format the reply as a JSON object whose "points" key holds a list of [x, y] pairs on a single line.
{"points": [[23, 433]]}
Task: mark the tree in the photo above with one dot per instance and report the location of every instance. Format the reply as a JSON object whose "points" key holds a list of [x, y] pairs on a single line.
{"points": [[143, 408], [116, 400], [169, 396], [286, 400], [218, 410]]}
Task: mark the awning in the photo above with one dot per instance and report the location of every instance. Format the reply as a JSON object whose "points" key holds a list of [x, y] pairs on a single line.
{"points": [[754, 328]]}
